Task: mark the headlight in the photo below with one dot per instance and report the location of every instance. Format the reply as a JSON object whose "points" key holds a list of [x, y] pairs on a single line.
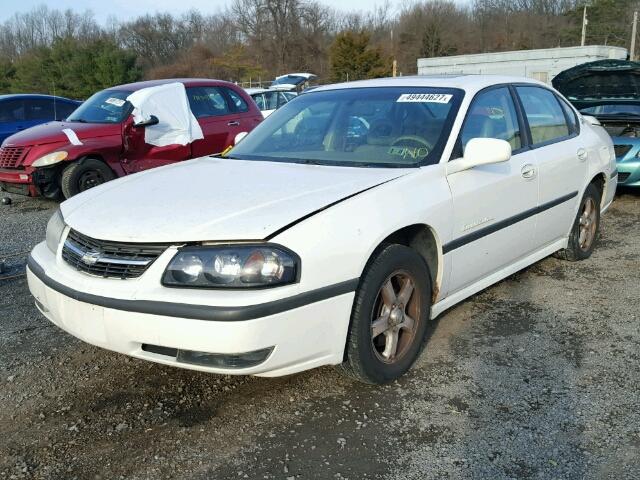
{"points": [[50, 159], [55, 227], [232, 266]]}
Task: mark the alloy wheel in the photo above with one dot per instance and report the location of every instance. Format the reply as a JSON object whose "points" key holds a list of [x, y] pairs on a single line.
{"points": [[395, 318], [587, 223]]}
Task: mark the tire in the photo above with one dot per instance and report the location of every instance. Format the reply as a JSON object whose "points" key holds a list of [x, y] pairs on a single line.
{"points": [[368, 353], [587, 223], [83, 175]]}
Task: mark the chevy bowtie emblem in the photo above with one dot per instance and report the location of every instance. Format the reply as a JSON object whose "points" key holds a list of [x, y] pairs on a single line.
{"points": [[90, 258]]}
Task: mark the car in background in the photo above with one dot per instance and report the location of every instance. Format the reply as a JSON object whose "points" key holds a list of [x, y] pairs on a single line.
{"points": [[45, 161], [323, 240], [270, 99], [21, 111], [609, 90], [294, 82]]}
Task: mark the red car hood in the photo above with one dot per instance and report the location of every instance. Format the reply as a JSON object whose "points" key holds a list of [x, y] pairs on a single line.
{"points": [[52, 133]]}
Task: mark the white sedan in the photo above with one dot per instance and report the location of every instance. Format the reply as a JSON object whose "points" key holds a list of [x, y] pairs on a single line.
{"points": [[334, 232], [270, 99]]}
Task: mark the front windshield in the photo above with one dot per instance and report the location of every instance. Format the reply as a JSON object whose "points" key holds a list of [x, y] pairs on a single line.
{"points": [[613, 109], [372, 127], [107, 106]]}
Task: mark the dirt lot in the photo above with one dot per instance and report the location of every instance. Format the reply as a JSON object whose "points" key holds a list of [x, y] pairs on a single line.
{"points": [[536, 377]]}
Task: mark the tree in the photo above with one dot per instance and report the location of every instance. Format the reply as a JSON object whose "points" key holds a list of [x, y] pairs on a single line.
{"points": [[74, 69], [352, 58]]}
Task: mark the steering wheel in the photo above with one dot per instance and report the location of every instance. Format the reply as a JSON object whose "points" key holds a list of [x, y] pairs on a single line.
{"points": [[413, 138]]}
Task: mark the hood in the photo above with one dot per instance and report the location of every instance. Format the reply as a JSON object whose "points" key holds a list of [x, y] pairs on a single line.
{"points": [[599, 83], [52, 133], [214, 199]]}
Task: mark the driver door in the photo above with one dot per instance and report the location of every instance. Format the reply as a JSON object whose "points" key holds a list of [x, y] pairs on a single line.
{"points": [[491, 224], [138, 155]]}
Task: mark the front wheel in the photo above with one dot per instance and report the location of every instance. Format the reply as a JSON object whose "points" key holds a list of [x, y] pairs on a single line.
{"points": [[83, 175], [585, 228], [390, 316]]}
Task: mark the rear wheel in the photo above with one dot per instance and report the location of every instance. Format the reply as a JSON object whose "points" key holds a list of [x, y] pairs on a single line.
{"points": [[585, 228], [83, 175], [390, 317]]}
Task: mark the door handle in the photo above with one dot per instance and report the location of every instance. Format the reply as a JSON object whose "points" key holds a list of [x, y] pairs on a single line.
{"points": [[528, 171], [582, 154], [233, 123]]}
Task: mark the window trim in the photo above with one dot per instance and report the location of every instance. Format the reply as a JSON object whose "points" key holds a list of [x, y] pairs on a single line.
{"points": [[456, 153], [534, 146]]}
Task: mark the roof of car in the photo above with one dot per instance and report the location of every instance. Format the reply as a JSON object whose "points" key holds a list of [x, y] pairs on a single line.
{"points": [[188, 82], [464, 82], [35, 95]]}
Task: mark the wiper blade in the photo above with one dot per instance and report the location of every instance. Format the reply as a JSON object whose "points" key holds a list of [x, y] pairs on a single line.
{"points": [[78, 120]]}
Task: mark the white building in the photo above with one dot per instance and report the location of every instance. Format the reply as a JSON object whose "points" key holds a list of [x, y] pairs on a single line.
{"points": [[543, 64]]}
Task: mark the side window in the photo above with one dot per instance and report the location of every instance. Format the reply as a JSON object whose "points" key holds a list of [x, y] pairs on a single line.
{"points": [[544, 114], [281, 99], [271, 100], [492, 114], [64, 109], [571, 116], [11, 111], [39, 109], [207, 102], [259, 99], [237, 101]]}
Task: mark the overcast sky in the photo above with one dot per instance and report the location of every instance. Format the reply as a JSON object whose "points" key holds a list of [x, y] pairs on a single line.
{"points": [[125, 9]]}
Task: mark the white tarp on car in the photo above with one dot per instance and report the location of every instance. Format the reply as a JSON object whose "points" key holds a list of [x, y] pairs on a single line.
{"points": [[169, 102]]}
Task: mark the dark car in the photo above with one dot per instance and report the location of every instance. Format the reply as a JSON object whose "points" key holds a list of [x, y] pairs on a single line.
{"points": [[21, 111], [44, 161], [610, 91]]}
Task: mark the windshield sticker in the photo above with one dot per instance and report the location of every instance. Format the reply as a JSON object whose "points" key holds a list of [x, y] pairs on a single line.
{"points": [[71, 135], [408, 152], [115, 101], [425, 97]]}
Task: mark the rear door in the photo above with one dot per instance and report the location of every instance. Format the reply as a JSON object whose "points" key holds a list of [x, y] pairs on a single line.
{"points": [[492, 225], [12, 117], [212, 109], [39, 110], [560, 158]]}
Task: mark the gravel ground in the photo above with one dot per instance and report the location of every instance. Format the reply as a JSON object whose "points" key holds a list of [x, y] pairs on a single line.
{"points": [[536, 377]]}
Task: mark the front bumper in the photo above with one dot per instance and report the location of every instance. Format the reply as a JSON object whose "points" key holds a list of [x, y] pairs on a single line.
{"points": [[303, 337], [17, 180], [629, 172]]}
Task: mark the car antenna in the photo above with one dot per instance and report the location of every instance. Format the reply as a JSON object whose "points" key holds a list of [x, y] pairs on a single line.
{"points": [[55, 112]]}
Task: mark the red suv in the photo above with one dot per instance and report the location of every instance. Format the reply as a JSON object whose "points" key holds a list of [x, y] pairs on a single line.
{"points": [[43, 160]]}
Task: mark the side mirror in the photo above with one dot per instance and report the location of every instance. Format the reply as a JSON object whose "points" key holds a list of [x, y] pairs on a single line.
{"points": [[152, 120], [239, 137], [481, 151]]}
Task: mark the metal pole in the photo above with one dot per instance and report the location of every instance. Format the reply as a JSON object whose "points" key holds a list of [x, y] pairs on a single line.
{"points": [[584, 26], [633, 37]]}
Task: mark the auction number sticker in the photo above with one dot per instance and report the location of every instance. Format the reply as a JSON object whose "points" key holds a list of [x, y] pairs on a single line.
{"points": [[425, 97], [115, 101]]}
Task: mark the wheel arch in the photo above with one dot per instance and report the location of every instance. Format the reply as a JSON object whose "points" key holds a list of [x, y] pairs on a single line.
{"points": [[423, 239], [600, 182]]}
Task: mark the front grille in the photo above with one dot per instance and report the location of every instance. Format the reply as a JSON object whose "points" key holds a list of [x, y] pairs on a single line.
{"points": [[109, 259], [622, 176], [11, 157], [621, 150]]}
